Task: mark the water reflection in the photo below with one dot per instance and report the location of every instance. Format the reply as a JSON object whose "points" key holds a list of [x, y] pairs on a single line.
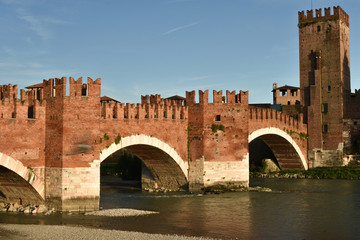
{"points": [[307, 209], [296, 209]]}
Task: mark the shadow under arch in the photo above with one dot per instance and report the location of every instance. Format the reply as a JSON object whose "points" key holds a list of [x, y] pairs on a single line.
{"points": [[285, 149], [19, 183], [168, 169]]}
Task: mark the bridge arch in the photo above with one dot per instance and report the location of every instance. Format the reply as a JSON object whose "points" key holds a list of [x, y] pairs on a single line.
{"points": [[18, 181], [169, 170], [285, 149]]}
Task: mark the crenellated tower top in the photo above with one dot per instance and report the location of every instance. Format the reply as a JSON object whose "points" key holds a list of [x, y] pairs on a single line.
{"points": [[309, 18]]}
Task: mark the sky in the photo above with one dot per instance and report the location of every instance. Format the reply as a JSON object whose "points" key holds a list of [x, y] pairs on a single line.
{"points": [[166, 47]]}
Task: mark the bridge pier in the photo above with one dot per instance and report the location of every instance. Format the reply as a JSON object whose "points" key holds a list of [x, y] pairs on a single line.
{"points": [[217, 139], [73, 189], [218, 176]]}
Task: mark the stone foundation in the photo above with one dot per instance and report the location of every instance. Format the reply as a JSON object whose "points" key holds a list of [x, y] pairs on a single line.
{"points": [[73, 189], [226, 175], [196, 175], [326, 158], [219, 175]]}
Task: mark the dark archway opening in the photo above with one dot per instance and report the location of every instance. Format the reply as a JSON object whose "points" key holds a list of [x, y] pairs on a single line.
{"points": [[138, 168], [259, 151], [275, 147], [121, 171], [148, 167]]}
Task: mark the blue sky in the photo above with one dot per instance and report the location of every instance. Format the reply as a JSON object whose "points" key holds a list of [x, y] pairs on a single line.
{"points": [[167, 47]]}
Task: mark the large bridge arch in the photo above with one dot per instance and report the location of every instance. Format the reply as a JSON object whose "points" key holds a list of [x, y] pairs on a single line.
{"points": [[19, 182], [167, 167], [285, 149]]}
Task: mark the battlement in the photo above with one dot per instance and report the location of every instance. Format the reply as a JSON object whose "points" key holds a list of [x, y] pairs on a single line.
{"points": [[8, 91], [267, 114], [29, 106], [309, 18], [218, 98], [355, 97], [130, 111], [57, 87], [156, 99], [31, 94]]}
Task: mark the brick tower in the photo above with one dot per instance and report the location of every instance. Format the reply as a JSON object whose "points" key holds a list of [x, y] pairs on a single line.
{"points": [[324, 81], [72, 126]]}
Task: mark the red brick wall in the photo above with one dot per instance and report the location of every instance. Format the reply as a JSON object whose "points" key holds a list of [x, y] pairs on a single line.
{"points": [[22, 138], [324, 74]]}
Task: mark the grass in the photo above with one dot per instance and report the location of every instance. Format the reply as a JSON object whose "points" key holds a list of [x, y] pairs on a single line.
{"points": [[335, 172]]}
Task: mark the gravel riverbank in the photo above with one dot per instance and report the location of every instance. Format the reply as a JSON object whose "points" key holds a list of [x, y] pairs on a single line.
{"points": [[120, 212], [55, 232]]}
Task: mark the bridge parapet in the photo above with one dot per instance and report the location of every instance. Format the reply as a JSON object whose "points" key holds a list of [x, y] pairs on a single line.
{"points": [[129, 111], [277, 118], [157, 100], [8, 91], [27, 107]]}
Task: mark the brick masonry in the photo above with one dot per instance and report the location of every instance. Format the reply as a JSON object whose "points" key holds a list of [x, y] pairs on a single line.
{"points": [[64, 138], [330, 109], [52, 143]]}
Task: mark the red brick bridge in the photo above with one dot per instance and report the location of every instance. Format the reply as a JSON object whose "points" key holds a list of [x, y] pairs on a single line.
{"points": [[52, 143]]}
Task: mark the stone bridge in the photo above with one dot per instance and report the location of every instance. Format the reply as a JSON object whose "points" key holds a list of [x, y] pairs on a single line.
{"points": [[285, 136], [54, 139]]}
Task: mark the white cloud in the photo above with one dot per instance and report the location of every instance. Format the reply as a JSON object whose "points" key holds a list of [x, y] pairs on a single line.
{"points": [[40, 25], [37, 26], [180, 28]]}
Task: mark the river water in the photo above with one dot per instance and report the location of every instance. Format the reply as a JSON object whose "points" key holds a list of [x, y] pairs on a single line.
{"points": [[295, 209]]}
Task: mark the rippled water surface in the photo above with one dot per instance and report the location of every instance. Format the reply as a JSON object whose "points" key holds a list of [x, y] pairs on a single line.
{"points": [[295, 209]]}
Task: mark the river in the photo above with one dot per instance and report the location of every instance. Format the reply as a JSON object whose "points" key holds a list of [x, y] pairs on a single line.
{"points": [[295, 209]]}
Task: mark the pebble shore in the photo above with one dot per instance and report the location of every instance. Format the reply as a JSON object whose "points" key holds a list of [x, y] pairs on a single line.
{"points": [[55, 232], [121, 212]]}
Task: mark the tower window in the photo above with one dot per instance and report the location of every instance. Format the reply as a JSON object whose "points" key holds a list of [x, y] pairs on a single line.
{"points": [[31, 112], [217, 118], [329, 88], [318, 28], [328, 29], [324, 108], [84, 90], [325, 128]]}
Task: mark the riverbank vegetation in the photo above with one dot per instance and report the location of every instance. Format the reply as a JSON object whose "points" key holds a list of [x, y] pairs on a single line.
{"points": [[341, 172]]}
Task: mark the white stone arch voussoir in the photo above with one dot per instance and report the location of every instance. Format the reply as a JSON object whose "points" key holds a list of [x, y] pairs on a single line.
{"points": [[26, 173], [145, 140], [281, 133]]}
